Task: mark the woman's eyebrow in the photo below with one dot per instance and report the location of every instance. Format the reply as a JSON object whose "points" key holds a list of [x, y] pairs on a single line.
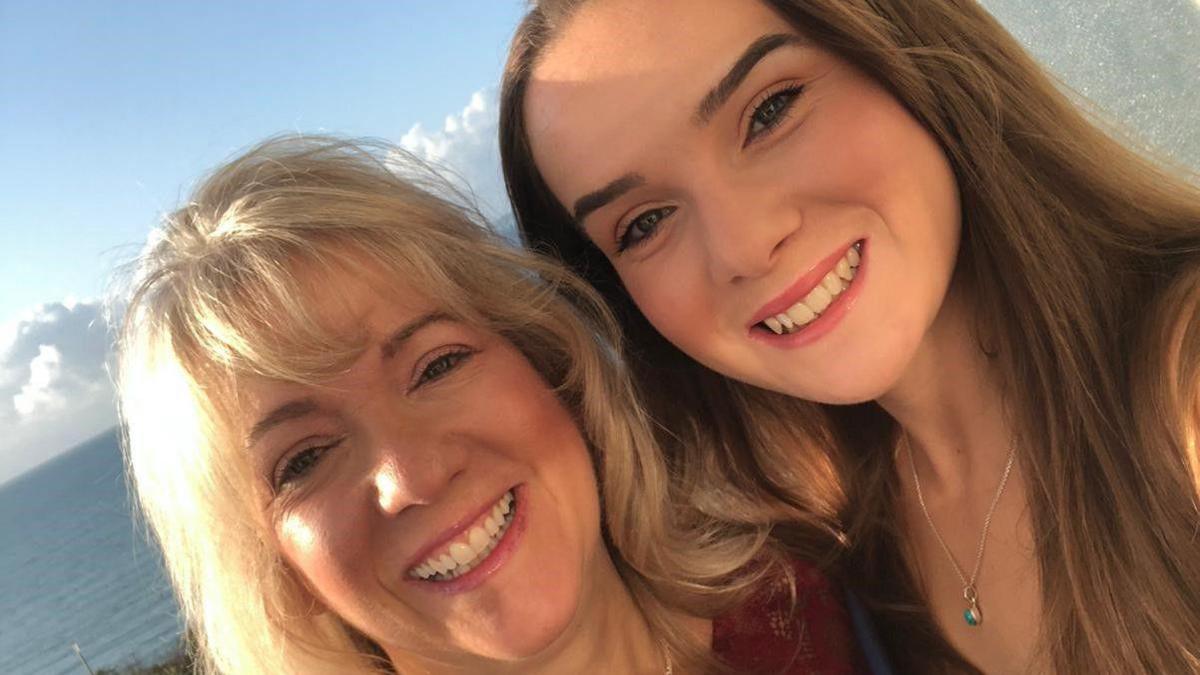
{"points": [[284, 413], [757, 50], [708, 106], [398, 338], [594, 200], [302, 407]]}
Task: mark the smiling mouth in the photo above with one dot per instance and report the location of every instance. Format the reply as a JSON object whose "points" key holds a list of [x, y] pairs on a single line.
{"points": [[470, 548], [817, 301]]}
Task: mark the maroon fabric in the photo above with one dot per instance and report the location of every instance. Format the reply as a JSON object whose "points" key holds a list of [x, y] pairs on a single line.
{"points": [[763, 636]]}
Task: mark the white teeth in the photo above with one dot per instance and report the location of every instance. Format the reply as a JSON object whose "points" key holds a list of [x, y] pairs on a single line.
{"points": [[478, 540], [843, 269], [801, 314], [462, 555], [818, 299], [833, 284]]}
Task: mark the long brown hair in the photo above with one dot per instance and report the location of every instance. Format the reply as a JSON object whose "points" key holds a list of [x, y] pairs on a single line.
{"points": [[1104, 372]]}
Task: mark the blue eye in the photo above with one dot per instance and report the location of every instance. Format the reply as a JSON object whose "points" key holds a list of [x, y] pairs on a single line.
{"points": [[441, 365], [642, 227], [773, 110]]}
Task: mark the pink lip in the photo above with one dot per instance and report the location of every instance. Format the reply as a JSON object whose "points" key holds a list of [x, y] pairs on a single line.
{"points": [[828, 319], [495, 560], [453, 532], [799, 290]]}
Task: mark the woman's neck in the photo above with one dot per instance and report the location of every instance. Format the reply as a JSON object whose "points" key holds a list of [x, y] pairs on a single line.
{"points": [[950, 406]]}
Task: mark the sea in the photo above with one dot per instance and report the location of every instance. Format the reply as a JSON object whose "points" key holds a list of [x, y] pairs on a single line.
{"points": [[76, 569]]}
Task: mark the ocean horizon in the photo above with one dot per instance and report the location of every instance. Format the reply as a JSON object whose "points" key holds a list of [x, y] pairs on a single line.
{"points": [[76, 568]]}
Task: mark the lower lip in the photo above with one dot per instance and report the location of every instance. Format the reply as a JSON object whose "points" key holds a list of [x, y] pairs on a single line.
{"points": [[828, 320], [495, 560]]}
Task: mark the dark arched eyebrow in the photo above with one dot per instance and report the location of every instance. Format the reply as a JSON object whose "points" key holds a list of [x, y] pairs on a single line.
{"points": [[594, 200], [757, 50], [712, 101]]}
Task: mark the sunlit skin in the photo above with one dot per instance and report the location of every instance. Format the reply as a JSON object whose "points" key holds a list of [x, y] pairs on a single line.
{"points": [[752, 211], [710, 211], [418, 435]]}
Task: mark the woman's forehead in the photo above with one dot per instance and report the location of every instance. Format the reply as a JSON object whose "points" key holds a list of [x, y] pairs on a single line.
{"points": [[608, 39], [621, 87], [313, 322], [360, 298]]}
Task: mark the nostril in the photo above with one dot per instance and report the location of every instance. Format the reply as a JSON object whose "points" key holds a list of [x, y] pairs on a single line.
{"points": [[753, 254], [782, 244]]}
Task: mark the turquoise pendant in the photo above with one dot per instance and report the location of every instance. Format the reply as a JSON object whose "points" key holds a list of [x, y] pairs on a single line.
{"points": [[972, 615]]}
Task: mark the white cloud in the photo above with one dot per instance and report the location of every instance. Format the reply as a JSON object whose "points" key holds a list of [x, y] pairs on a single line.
{"points": [[467, 146], [55, 391], [42, 392]]}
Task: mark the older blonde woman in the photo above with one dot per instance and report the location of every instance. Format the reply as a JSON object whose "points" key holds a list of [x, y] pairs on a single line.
{"points": [[366, 433]]}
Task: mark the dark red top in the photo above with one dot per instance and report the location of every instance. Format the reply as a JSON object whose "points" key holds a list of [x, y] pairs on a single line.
{"points": [[762, 636]]}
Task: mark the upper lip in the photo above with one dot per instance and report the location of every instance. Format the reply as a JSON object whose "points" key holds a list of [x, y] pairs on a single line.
{"points": [[453, 531], [801, 287]]}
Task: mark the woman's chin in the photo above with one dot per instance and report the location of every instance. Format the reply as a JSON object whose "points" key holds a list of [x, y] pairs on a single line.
{"points": [[839, 388], [522, 634]]}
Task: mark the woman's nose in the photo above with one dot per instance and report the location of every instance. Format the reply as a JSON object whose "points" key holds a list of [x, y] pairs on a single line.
{"points": [[408, 477], [742, 235]]}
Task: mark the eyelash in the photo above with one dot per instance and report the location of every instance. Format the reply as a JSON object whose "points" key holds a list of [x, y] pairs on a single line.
{"points": [[440, 364], [435, 368], [652, 217], [786, 94], [288, 472]]}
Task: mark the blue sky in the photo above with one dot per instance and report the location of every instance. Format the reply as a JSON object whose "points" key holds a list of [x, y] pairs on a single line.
{"points": [[110, 110]]}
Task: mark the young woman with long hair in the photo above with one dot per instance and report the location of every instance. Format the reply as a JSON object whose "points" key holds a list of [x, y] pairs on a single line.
{"points": [[370, 436], [871, 261]]}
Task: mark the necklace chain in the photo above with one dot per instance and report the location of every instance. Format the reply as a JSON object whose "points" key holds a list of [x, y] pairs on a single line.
{"points": [[970, 593]]}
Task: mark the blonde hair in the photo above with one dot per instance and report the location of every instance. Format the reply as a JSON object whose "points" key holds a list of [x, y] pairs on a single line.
{"points": [[219, 295], [1104, 373]]}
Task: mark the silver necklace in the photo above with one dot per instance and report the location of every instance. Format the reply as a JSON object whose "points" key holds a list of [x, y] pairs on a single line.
{"points": [[972, 615]]}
